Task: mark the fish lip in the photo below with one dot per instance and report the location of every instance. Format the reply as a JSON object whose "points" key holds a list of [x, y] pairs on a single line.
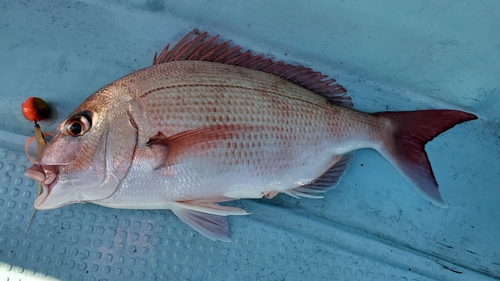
{"points": [[37, 173], [41, 198], [47, 190], [45, 174]]}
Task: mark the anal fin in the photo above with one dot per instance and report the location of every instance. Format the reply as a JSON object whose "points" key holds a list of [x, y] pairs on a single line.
{"points": [[326, 181]]}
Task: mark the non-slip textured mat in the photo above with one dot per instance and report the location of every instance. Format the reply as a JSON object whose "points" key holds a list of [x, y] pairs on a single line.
{"points": [[90, 242]]}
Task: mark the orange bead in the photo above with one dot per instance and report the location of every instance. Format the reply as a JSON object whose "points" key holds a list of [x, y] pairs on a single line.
{"points": [[35, 109]]}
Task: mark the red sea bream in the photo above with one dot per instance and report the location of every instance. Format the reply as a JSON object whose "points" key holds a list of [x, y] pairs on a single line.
{"points": [[208, 123]]}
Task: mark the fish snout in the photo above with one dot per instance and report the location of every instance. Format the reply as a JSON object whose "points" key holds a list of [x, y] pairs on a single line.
{"points": [[36, 173], [47, 175], [43, 174]]}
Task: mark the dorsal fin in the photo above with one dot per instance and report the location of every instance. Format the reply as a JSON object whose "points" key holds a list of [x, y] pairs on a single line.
{"points": [[200, 46]]}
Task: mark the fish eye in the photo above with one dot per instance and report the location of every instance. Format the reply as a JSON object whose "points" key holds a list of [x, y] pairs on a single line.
{"points": [[77, 125]]}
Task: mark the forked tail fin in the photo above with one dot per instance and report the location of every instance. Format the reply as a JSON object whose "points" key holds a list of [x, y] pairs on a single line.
{"points": [[405, 148]]}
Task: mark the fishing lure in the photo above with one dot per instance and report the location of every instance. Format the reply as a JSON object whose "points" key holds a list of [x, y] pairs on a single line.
{"points": [[35, 109]]}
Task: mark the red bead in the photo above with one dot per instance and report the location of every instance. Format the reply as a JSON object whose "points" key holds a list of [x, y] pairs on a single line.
{"points": [[35, 109]]}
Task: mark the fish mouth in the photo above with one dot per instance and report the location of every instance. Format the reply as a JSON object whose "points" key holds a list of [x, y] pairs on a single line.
{"points": [[47, 175]]}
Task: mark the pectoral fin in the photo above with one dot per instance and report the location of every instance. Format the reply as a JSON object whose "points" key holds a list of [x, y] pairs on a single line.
{"points": [[206, 217], [193, 143]]}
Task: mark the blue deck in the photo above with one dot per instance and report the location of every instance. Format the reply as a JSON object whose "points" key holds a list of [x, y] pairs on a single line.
{"points": [[373, 226]]}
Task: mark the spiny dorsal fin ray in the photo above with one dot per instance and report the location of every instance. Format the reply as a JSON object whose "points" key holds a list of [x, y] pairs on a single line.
{"points": [[200, 46]]}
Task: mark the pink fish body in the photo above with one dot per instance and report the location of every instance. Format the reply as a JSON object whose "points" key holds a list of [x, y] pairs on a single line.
{"points": [[207, 123]]}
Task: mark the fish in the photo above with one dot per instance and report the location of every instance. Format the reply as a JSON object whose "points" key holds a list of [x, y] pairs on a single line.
{"points": [[208, 123]]}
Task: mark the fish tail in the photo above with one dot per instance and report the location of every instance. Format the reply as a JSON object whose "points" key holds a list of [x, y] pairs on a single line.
{"points": [[404, 148]]}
